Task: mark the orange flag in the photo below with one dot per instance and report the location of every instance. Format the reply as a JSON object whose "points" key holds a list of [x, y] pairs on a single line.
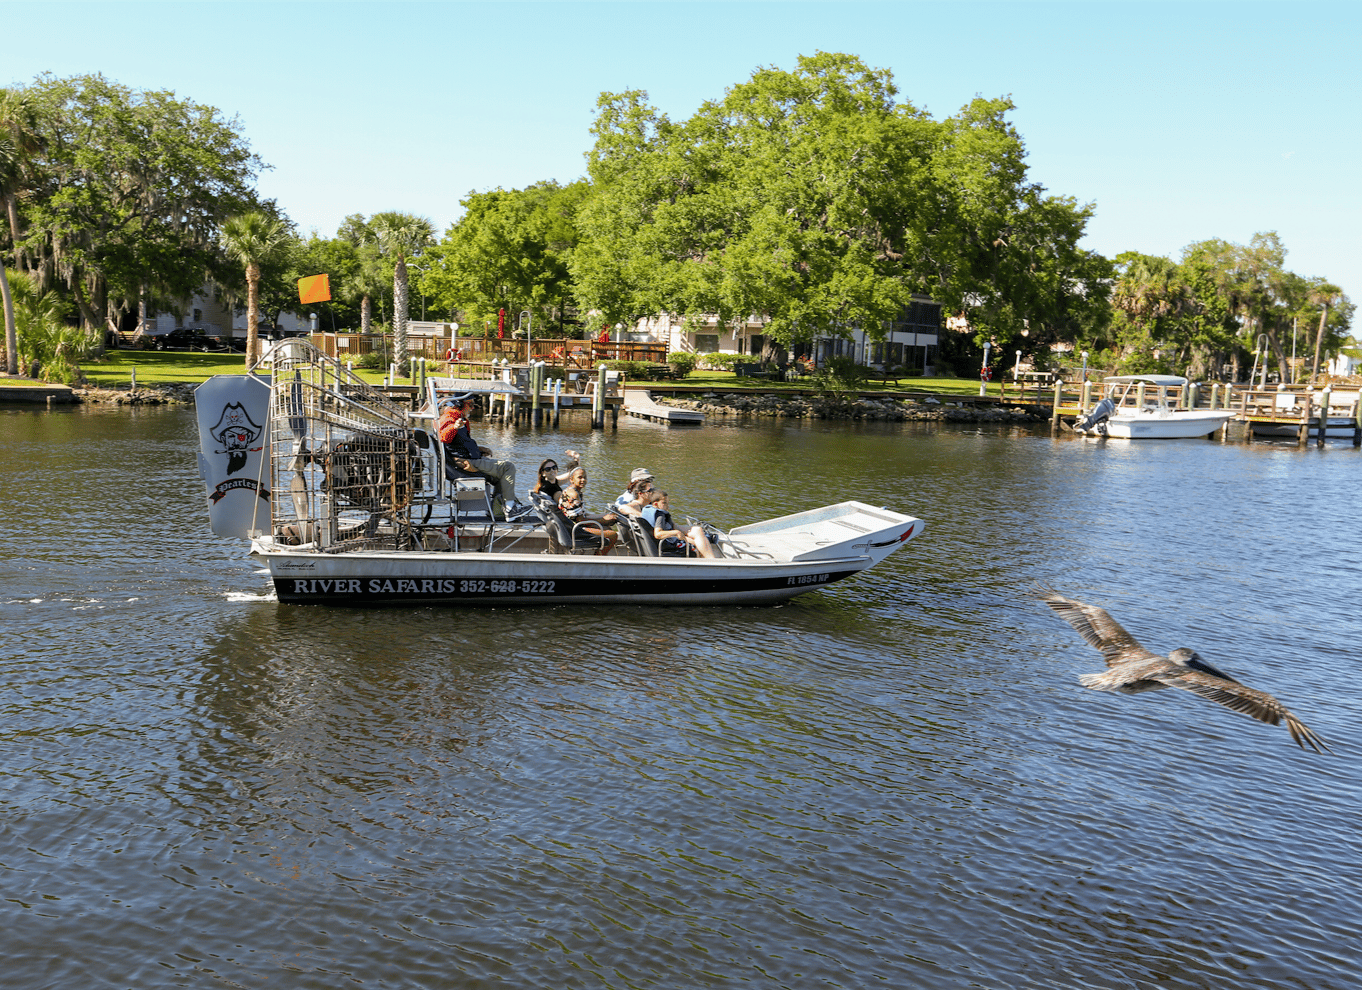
{"points": [[314, 289]]}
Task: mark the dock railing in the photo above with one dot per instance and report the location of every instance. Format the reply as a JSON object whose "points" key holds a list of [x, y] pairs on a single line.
{"points": [[1068, 400], [567, 354], [1298, 408]]}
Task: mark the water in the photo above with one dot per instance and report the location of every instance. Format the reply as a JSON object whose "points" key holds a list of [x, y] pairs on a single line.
{"points": [[894, 782]]}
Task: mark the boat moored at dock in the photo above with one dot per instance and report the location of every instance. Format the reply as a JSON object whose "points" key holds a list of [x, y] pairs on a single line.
{"points": [[1128, 412]]}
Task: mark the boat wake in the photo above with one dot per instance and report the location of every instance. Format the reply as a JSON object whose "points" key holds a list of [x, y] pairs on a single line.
{"points": [[248, 596]]}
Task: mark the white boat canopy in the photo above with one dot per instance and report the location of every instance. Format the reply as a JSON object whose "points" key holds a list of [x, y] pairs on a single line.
{"points": [[1160, 380]]}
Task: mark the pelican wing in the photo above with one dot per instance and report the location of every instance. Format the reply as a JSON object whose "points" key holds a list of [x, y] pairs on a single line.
{"points": [[1096, 626], [1241, 698]]}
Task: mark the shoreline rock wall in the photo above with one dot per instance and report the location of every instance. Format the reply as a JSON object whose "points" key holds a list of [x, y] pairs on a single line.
{"points": [[144, 395], [808, 406]]}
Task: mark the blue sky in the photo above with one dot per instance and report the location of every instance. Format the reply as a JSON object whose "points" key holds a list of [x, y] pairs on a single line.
{"points": [[1180, 121]]}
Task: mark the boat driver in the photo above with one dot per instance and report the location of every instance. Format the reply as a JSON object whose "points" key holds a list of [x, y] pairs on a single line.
{"points": [[454, 432]]}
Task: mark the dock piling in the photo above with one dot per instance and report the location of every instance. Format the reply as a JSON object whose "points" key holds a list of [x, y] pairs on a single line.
{"points": [[534, 394], [598, 400]]}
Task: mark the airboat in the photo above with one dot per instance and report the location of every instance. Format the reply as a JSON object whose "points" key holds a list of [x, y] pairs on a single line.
{"points": [[348, 499]]}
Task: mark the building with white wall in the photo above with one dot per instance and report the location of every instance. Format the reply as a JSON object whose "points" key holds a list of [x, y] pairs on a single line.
{"points": [[910, 341]]}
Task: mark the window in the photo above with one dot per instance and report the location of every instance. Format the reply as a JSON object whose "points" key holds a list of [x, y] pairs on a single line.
{"points": [[707, 343]]}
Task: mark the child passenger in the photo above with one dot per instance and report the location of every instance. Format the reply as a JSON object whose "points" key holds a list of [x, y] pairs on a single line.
{"points": [[671, 541], [572, 500]]}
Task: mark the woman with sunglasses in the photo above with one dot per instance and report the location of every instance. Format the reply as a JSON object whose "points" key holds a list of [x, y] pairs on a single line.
{"points": [[549, 480]]}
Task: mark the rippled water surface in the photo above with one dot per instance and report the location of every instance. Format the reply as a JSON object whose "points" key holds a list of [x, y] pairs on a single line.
{"points": [[894, 782]]}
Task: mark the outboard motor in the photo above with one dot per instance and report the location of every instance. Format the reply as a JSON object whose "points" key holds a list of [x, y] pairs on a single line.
{"points": [[1095, 421]]}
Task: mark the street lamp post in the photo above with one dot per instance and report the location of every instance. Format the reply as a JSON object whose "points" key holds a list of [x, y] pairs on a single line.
{"points": [[1085, 366], [1016, 369], [983, 370], [529, 333]]}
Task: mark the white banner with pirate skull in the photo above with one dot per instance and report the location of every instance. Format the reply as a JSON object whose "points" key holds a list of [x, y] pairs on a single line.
{"points": [[233, 413]]}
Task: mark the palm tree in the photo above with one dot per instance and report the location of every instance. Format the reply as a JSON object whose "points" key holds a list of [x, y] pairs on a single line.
{"points": [[254, 239], [401, 234], [8, 167], [368, 279], [20, 127], [20, 139], [367, 283]]}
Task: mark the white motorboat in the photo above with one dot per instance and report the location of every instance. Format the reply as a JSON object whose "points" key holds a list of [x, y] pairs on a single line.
{"points": [[1136, 407], [347, 501]]}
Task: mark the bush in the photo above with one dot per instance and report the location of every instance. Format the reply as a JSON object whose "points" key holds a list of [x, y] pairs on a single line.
{"points": [[719, 362], [682, 362], [45, 337], [841, 374], [640, 371], [373, 361]]}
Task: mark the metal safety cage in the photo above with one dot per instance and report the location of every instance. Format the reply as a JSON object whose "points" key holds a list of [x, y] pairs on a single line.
{"points": [[345, 462]]}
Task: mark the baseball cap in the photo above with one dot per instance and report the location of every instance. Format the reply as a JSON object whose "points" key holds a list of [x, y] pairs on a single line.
{"points": [[639, 474]]}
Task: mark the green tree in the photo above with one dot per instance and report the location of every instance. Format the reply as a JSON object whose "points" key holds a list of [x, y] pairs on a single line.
{"points": [[254, 239], [1215, 304], [815, 199], [8, 166], [1323, 294], [370, 279], [128, 193], [512, 249], [400, 236], [20, 141], [339, 260], [43, 333]]}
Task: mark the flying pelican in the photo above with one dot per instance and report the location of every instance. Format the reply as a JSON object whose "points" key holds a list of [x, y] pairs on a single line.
{"points": [[1134, 669]]}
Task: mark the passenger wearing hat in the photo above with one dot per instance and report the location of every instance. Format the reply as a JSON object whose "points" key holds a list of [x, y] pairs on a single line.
{"points": [[466, 455], [640, 481]]}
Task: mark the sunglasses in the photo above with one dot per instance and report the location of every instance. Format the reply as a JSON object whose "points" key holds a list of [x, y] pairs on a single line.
{"points": [[549, 467]]}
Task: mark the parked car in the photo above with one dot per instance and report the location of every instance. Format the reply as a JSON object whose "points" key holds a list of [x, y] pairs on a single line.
{"points": [[191, 339]]}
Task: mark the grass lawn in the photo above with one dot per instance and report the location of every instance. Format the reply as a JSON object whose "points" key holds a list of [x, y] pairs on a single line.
{"points": [[728, 380], [162, 367]]}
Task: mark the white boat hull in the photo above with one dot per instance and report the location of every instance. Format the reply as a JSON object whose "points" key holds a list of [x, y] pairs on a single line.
{"points": [[1166, 426]]}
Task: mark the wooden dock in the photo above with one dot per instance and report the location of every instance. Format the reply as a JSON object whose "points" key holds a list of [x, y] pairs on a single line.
{"points": [[1302, 413], [639, 402], [1282, 412]]}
